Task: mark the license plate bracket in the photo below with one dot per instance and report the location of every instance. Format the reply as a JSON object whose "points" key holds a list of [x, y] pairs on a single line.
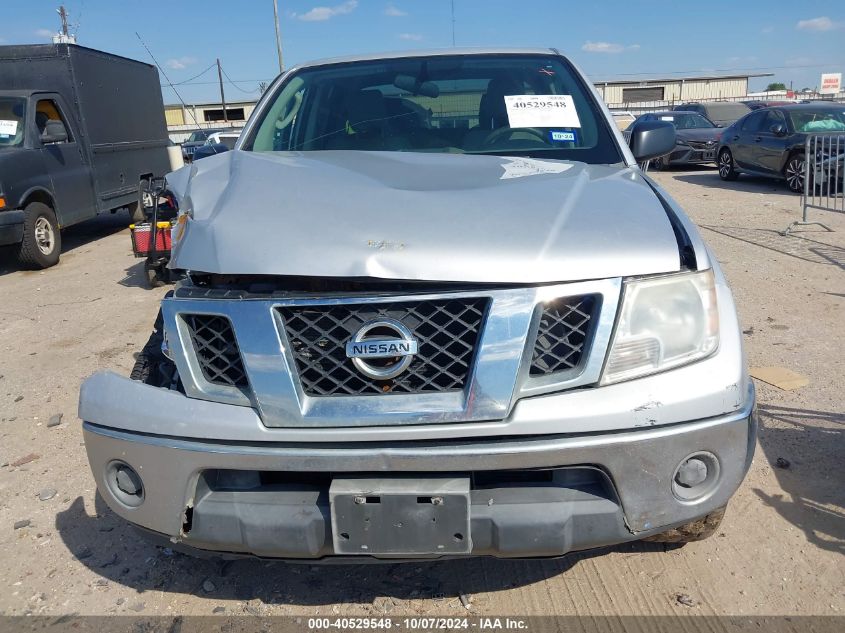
{"points": [[400, 516]]}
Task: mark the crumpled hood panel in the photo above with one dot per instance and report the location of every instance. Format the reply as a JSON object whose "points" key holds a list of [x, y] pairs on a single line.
{"points": [[419, 216]]}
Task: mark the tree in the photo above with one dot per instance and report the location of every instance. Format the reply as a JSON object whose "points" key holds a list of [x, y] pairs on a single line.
{"points": [[775, 86]]}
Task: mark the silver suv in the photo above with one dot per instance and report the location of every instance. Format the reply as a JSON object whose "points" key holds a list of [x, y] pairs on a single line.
{"points": [[432, 308]]}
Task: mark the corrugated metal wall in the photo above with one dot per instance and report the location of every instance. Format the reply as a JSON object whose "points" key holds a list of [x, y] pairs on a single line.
{"points": [[680, 90], [173, 115]]}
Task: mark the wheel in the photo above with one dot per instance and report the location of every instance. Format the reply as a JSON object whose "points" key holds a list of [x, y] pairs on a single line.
{"points": [[137, 209], [727, 170], [155, 277], [136, 212], [698, 530], [794, 173], [658, 164], [42, 241]]}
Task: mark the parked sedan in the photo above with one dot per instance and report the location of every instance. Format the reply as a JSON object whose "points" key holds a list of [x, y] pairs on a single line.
{"points": [[770, 142], [722, 113], [696, 138]]}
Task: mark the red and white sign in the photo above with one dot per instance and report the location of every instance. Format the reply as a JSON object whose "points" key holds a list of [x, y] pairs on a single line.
{"points": [[831, 83]]}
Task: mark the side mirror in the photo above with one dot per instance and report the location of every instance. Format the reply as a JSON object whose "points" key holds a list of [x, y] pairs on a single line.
{"points": [[54, 132], [651, 139], [209, 150], [778, 129]]}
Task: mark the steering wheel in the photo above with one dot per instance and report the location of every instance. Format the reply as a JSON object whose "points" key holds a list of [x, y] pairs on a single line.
{"points": [[495, 135]]}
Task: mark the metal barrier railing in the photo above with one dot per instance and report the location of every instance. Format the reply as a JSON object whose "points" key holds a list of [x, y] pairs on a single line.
{"points": [[823, 176]]}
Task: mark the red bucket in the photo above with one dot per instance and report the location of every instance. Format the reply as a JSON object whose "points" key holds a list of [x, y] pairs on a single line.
{"points": [[142, 238]]}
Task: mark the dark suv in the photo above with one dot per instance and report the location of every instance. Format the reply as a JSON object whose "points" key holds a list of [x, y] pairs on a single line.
{"points": [[770, 142], [197, 139]]}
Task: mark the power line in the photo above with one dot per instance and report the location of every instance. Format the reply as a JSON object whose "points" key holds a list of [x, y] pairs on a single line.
{"points": [[249, 92], [214, 83], [179, 83], [176, 92]]}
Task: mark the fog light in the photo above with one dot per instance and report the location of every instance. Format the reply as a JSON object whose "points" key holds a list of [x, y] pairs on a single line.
{"points": [[128, 481], [691, 473], [125, 484], [696, 477]]}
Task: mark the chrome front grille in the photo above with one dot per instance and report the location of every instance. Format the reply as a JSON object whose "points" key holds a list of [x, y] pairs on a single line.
{"points": [[447, 331], [480, 351], [702, 145], [566, 326], [216, 350]]}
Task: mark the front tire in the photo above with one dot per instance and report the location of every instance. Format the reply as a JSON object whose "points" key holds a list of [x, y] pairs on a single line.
{"points": [[727, 169], [42, 241], [794, 173], [659, 164]]}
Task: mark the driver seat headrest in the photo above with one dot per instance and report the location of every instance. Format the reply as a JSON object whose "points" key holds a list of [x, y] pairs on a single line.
{"points": [[364, 110], [492, 113]]}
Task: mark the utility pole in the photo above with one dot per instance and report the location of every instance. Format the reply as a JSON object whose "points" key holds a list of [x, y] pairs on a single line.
{"points": [[453, 22], [63, 17], [278, 35], [222, 94], [63, 36]]}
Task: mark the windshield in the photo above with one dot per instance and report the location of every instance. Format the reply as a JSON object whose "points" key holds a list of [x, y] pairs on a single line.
{"points": [[818, 120], [686, 120], [12, 111], [196, 137], [528, 105]]}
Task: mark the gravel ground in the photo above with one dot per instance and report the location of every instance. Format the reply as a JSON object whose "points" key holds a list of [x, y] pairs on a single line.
{"points": [[779, 552]]}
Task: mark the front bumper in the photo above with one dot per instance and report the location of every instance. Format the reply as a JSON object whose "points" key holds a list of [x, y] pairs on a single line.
{"points": [[11, 227], [607, 487], [687, 155]]}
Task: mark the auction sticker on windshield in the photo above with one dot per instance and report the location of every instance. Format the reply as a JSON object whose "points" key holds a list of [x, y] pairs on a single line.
{"points": [[8, 128], [541, 111]]}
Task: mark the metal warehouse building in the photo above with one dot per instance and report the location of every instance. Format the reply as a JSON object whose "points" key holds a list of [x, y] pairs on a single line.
{"points": [[182, 119], [675, 89]]}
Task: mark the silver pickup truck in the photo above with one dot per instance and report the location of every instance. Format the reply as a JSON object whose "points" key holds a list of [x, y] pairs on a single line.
{"points": [[432, 308]]}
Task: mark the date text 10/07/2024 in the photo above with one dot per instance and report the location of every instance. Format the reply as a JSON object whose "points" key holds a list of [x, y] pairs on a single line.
{"points": [[419, 624]]}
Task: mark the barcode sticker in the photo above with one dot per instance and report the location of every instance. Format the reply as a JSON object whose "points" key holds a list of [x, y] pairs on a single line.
{"points": [[8, 128], [542, 111]]}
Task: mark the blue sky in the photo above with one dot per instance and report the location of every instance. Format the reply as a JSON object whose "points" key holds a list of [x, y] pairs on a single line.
{"points": [[795, 40]]}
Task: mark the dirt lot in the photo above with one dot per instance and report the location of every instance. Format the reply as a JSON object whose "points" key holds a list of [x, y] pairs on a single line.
{"points": [[780, 550]]}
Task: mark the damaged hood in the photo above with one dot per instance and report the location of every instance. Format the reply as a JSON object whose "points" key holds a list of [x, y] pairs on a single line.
{"points": [[418, 216]]}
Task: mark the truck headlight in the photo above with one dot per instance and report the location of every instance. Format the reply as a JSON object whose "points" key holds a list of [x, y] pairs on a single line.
{"points": [[664, 322]]}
